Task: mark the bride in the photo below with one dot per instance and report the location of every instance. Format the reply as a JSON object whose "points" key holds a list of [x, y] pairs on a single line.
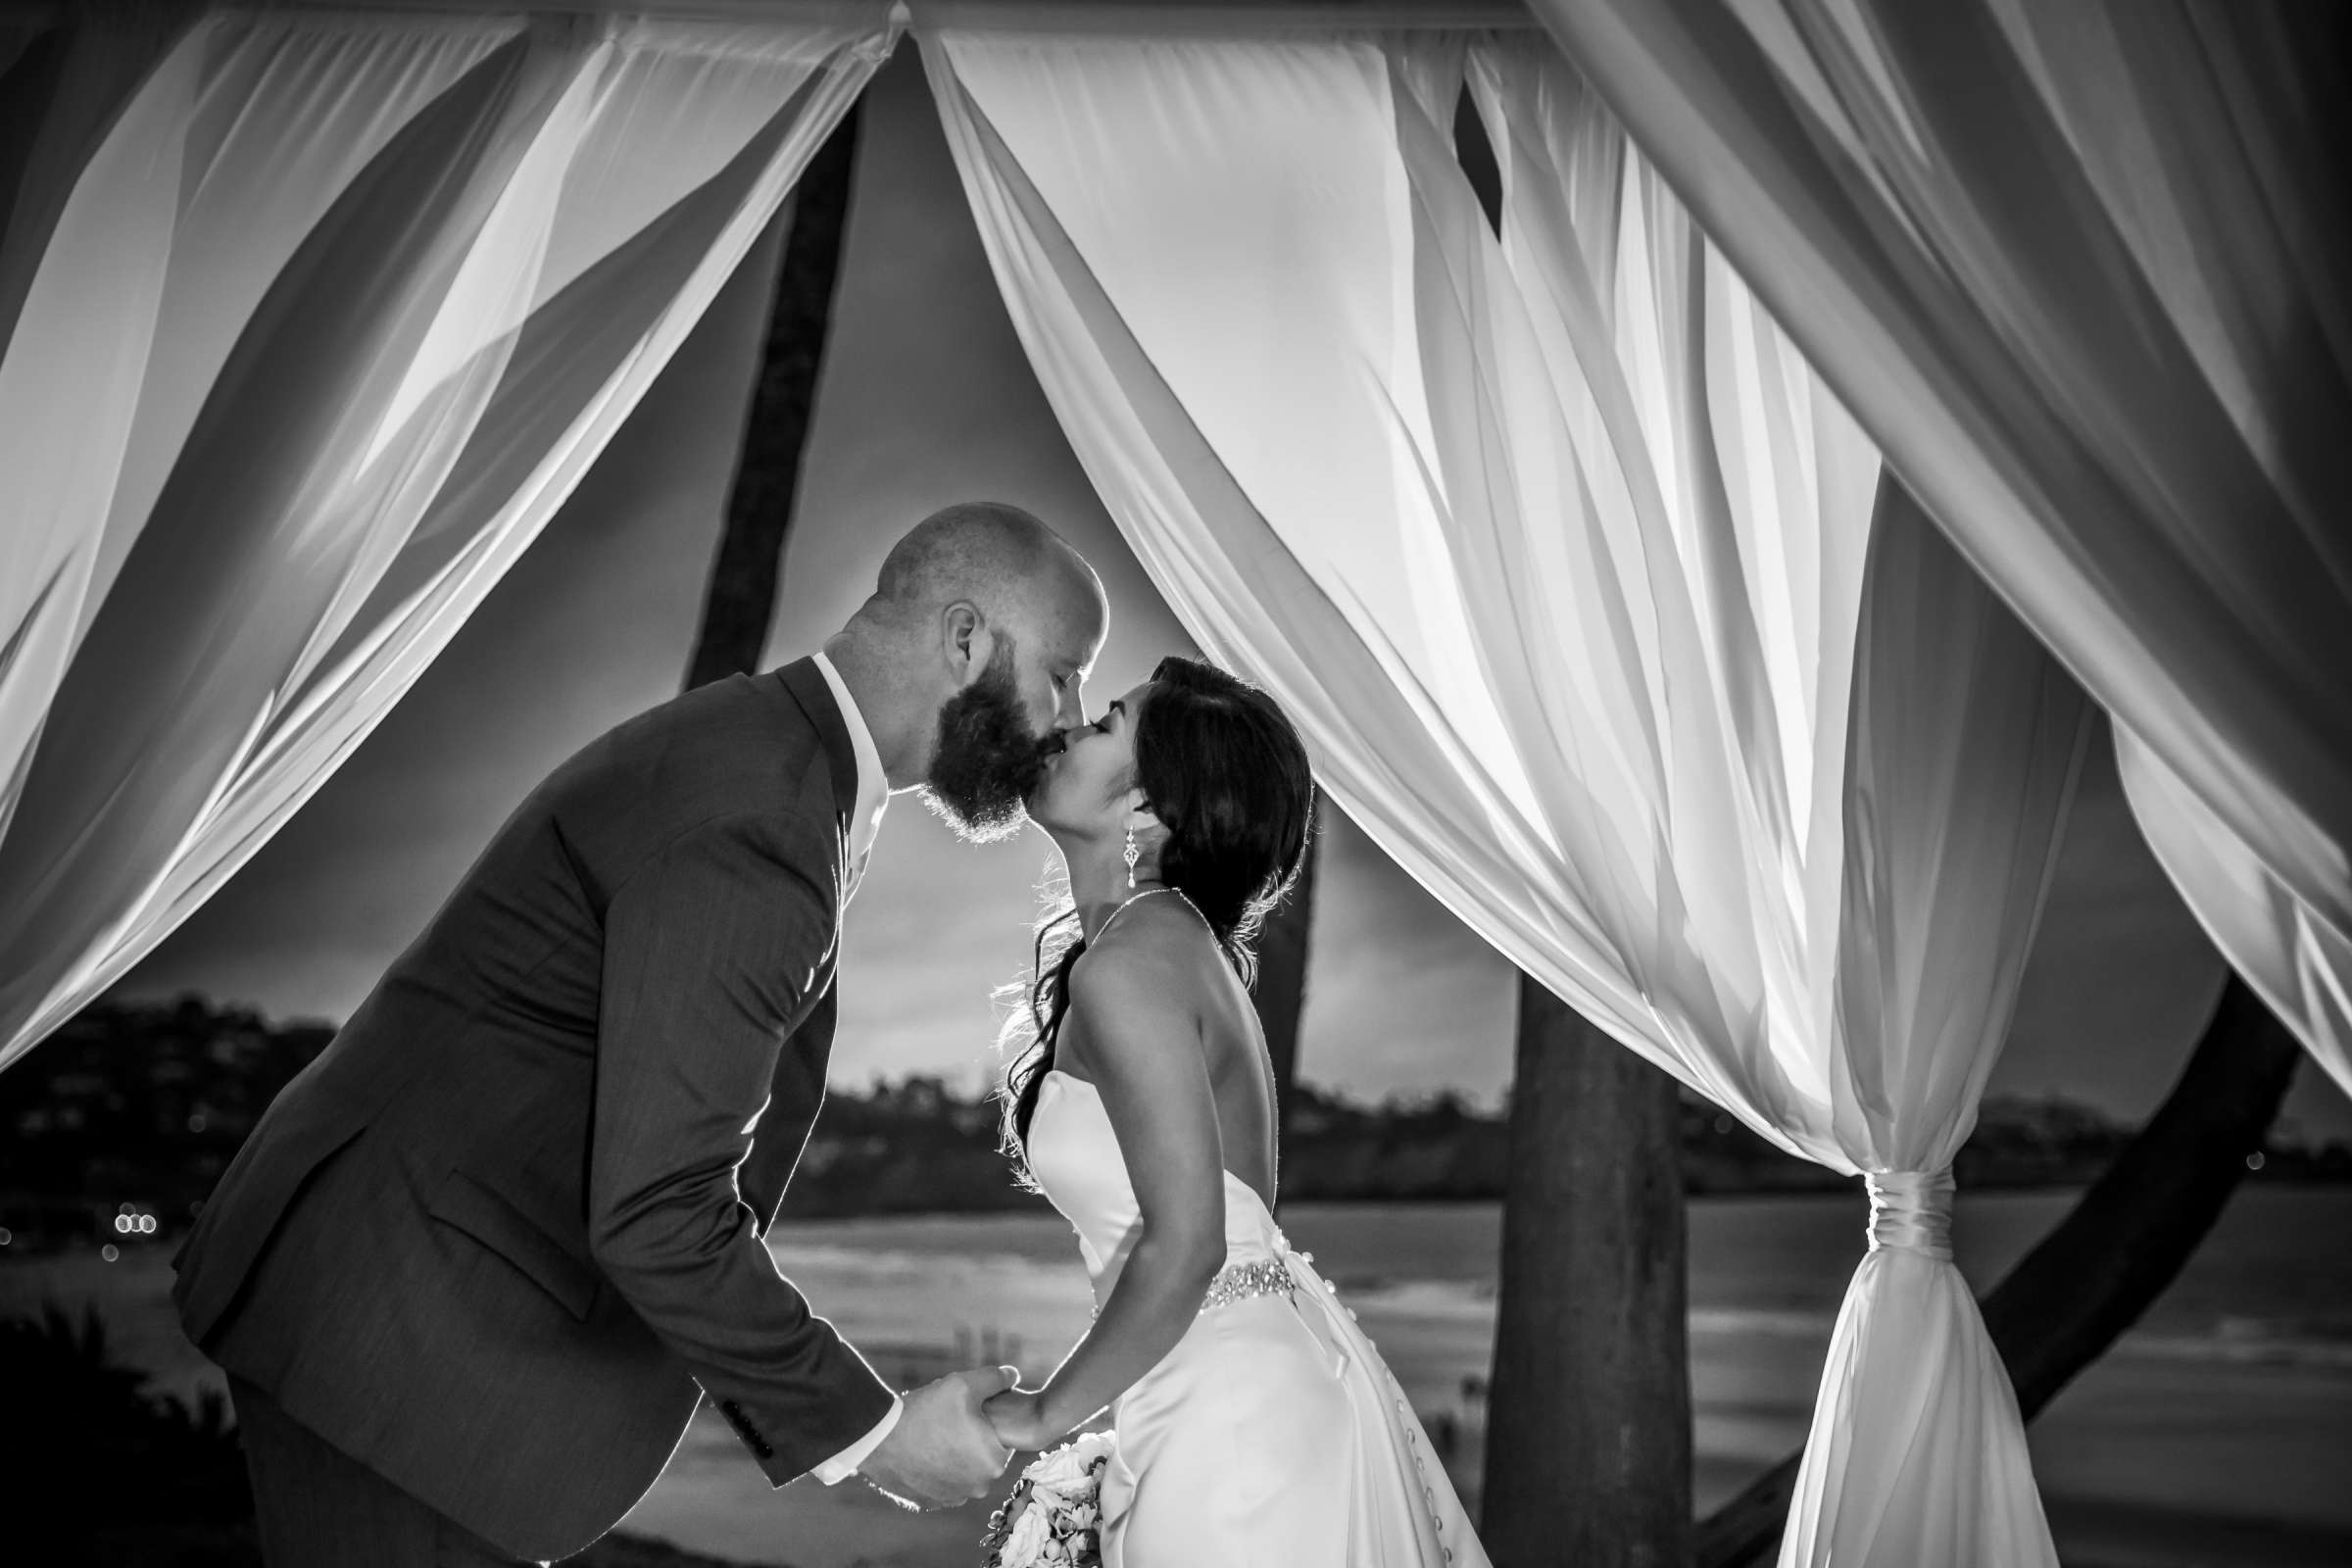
{"points": [[1257, 1424]]}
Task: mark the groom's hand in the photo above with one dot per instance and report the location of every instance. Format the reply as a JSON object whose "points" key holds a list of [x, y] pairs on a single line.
{"points": [[942, 1450]]}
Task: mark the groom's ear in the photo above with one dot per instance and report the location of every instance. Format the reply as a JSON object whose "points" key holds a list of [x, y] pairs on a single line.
{"points": [[966, 641]]}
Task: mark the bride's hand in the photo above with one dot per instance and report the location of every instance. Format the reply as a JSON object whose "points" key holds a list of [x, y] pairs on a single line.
{"points": [[1019, 1420]]}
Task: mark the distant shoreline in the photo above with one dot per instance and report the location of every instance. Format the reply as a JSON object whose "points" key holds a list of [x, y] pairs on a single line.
{"points": [[19, 1241]]}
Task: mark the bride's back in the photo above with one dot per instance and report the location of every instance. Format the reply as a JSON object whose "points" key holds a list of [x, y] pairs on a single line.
{"points": [[1202, 988]]}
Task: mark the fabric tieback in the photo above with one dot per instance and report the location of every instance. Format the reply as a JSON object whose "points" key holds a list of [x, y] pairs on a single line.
{"points": [[1912, 1210]]}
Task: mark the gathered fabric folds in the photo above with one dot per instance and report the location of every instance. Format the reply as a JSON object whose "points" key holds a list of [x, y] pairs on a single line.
{"points": [[312, 319], [1597, 606], [2080, 269]]}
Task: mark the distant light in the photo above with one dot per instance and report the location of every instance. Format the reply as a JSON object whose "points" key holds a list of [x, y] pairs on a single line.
{"points": [[1723, 1124], [128, 1209], [110, 1252], [195, 1208], [196, 1122], [5, 1236], [122, 1224], [146, 1224], [2254, 1160]]}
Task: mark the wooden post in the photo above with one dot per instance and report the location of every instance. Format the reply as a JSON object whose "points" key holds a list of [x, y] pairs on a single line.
{"points": [[1589, 1425]]}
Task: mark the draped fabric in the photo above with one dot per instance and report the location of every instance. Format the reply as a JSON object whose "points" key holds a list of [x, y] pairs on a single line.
{"points": [[2079, 269], [1596, 609], [312, 319]]}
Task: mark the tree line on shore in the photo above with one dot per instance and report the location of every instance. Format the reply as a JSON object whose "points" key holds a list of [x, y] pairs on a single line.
{"points": [[145, 1104]]}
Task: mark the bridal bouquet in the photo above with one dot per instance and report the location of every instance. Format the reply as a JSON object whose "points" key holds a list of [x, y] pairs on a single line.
{"points": [[1053, 1517]]}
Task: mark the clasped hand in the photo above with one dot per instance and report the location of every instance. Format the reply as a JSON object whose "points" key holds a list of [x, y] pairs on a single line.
{"points": [[942, 1450], [1018, 1417]]}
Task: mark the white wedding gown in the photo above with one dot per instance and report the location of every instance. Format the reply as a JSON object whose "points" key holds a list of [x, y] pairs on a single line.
{"points": [[1273, 1435]]}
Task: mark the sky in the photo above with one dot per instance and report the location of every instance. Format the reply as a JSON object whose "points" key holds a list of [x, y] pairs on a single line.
{"points": [[926, 398]]}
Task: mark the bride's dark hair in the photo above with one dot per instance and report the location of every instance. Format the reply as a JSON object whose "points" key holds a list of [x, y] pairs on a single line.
{"points": [[1224, 769]]}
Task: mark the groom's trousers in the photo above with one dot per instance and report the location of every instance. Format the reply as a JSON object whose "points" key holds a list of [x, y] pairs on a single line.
{"points": [[317, 1507]]}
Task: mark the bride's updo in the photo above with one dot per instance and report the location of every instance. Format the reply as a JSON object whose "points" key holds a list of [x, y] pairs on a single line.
{"points": [[1225, 771]]}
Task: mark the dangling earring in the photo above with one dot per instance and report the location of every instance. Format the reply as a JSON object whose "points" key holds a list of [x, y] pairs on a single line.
{"points": [[1131, 855]]}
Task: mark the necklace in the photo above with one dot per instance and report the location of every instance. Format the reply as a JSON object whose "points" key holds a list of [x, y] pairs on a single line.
{"points": [[1144, 893]]}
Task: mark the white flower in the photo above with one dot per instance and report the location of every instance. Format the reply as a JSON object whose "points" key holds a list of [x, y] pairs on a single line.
{"points": [[1056, 1472], [1082, 1515], [1063, 1471], [1030, 1533]]}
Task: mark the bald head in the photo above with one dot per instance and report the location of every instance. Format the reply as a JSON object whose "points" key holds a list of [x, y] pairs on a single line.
{"points": [[976, 585], [1003, 559]]}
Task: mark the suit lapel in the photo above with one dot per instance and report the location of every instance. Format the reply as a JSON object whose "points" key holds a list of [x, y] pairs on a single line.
{"points": [[804, 684], [797, 1088]]}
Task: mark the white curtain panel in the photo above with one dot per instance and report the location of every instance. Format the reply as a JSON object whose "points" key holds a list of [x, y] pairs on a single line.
{"points": [[1566, 562], [2080, 270], [326, 325]]}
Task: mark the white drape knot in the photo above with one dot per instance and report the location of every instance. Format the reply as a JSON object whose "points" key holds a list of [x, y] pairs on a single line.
{"points": [[1911, 1209]]}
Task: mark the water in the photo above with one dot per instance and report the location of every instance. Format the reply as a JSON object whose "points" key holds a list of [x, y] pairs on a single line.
{"points": [[2218, 1432]]}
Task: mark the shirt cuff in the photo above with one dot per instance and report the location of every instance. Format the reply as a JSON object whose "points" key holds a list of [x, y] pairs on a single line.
{"points": [[844, 1464]]}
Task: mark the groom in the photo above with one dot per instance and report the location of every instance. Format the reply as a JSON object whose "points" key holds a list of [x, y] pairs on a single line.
{"points": [[477, 1264]]}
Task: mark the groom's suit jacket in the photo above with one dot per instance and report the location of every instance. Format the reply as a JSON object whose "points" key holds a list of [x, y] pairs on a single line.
{"points": [[493, 1238]]}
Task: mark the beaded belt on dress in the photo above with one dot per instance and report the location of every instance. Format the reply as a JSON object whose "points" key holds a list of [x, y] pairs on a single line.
{"points": [[1239, 1281], [1242, 1281]]}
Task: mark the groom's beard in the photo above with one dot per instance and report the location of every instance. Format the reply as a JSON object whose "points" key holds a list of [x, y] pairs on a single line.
{"points": [[988, 759]]}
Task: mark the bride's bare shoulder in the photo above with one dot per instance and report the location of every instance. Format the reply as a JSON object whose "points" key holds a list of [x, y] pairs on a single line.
{"points": [[1151, 956]]}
